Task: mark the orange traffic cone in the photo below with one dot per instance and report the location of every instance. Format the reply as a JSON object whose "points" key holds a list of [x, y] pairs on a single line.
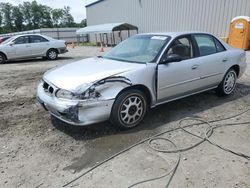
{"points": [[102, 49]]}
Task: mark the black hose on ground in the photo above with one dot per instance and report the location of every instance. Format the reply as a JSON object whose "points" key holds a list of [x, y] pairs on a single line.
{"points": [[208, 132]]}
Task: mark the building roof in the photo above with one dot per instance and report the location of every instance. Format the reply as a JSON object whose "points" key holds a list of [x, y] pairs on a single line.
{"points": [[93, 3], [106, 28], [175, 33]]}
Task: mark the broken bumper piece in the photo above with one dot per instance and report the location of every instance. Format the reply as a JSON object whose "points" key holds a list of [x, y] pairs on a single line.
{"points": [[75, 112], [62, 50]]}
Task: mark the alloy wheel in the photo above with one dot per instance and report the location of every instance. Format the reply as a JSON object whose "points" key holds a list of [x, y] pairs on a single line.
{"points": [[229, 82], [52, 54], [131, 110]]}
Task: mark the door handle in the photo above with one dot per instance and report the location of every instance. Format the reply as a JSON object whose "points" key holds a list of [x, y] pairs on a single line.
{"points": [[194, 67], [225, 60]]}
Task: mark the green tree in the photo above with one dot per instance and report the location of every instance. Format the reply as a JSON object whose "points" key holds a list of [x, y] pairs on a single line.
{"points": [[67, 19], [6, 9], [83, 23], [31, 15], [26, 7], [35, 14], [17, 17], [57, 15], [46, 20]]}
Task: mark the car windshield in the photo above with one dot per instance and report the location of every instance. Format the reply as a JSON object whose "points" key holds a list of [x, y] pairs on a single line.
{"points": [[138, 49]]}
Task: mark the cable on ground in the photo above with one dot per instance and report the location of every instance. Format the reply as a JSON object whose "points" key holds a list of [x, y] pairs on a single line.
{"points": [[208, 132]]}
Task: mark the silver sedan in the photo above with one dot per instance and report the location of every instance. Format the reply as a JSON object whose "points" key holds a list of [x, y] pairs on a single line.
{"points": [[30, 46], [142, 72]]}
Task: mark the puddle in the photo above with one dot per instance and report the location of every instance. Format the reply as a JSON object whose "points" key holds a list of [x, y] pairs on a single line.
{"points": [[101, 148]]}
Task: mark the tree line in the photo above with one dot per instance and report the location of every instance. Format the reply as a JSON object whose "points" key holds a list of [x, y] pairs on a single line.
{"points": [[31, 15]]}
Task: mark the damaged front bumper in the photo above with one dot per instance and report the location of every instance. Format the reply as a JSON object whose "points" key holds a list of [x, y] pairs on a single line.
{"points": [[75, 112], [62, 50]]}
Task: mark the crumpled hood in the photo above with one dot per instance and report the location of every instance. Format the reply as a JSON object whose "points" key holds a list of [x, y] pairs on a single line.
{"points": [[87, 71]]}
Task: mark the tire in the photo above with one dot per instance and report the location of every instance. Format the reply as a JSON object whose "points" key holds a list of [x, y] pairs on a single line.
{"points": [[129, 109], [2, 58], [227, 85], [52, 54]]}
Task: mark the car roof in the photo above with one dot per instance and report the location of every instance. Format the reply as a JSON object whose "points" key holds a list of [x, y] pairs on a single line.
{"points": [[175, 34], [20, 35], [5, 37], [27, 34], [30, 34]]}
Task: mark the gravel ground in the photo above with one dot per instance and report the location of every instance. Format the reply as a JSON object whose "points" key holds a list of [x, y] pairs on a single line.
{"points": [[37, 151]]}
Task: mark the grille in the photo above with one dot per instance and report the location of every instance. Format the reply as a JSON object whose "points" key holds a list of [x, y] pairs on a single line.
{"points": [[47, 88]]}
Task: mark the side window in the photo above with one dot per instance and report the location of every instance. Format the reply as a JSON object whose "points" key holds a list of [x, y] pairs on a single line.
{"points": [[219, 46], [205, 44], [37, 39], [22, 40], [182, 47]]}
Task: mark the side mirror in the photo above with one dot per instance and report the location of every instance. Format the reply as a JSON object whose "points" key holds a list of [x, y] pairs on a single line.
{"points": [[11, 43], [171, 58]]}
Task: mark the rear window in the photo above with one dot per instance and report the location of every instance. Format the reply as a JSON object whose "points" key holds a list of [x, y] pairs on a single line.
{"points": [[37, 39], [205, 44], [219, 46]]}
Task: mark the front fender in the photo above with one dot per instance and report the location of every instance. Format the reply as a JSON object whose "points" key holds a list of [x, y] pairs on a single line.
{"points": [[110, 87]]}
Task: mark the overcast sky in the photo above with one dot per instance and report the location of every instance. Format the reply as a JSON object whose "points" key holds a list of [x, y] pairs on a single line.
{"points": [[77, 6]]}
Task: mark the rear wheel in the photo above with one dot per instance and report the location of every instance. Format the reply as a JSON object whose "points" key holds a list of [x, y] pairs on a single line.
{"points": [[129, 109], [228, 83], [52, 54], [2, 58]]}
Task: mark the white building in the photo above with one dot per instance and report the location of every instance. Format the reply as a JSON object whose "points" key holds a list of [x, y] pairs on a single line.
{"points": [[212, 16]]}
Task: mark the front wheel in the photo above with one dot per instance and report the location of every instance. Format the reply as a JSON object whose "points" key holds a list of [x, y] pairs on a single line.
{"points": [[2, 58], [52, 54], [228, 83], [129, 109]]}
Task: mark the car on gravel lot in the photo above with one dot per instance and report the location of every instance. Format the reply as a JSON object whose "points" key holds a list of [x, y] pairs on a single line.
{"points": [[30, 46], [142, 72]]}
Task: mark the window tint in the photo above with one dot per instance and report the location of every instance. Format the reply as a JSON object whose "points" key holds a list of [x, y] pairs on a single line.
{"points": [[205, 44], [37, 39], [182, 47], [22, 40], [219, 46]]}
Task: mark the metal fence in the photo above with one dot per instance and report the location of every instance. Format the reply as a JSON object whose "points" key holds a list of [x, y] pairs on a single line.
{"points": [[67, 34]]}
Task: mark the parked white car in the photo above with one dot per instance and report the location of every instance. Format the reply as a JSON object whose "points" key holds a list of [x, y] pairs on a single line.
{"points": [[142, 72], [30, 46]]}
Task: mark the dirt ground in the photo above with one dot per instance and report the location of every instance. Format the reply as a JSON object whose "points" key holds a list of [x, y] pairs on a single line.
{"points": [[37, 151]]}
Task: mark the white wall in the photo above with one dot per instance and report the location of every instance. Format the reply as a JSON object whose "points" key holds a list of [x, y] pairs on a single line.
{"points": [[212, 16]]}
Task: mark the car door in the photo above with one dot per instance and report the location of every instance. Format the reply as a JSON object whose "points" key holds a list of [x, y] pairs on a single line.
{"points": [[20, 47], [177, 79], [212, 58], [39, 45]]}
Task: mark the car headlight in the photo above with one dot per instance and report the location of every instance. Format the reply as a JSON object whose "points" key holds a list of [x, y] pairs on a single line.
{"points": [[88, 94], [64, 94]]}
